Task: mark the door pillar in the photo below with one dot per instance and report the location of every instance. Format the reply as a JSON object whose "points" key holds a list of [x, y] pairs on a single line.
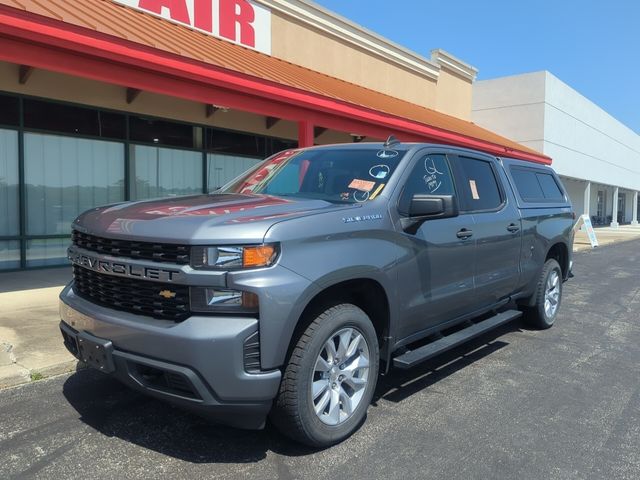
{"points": [[614, 214], [587, 200], [634, 209], [305, 134]]}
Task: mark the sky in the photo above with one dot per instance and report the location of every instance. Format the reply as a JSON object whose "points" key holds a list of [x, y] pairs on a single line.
{"points": [[592, 45]]}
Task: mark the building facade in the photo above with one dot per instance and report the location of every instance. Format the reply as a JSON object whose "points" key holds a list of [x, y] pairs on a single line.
{"points": [[596, 155], [103, 101]]}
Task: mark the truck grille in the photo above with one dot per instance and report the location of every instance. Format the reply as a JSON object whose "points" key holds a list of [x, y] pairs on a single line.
{"points": [[134, 296], [157, 252]]}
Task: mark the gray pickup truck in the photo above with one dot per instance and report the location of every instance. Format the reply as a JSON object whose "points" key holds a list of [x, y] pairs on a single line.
{"points": [[287, 292]]}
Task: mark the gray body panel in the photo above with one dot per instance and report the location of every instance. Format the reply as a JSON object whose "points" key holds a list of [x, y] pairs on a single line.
{"points": [[431, 278]]}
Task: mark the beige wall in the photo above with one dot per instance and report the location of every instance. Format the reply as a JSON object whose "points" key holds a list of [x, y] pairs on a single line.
{"points": [[299, 43], [454, 96]]}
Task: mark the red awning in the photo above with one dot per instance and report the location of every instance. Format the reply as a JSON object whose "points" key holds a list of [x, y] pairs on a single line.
{"points": [[104, 41]]}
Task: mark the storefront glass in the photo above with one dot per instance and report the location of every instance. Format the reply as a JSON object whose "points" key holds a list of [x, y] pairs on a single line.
{"points": [[9, 254], [46, 252], [224, 168], [65, 176], [9, 211], [75, 158], [164, 172]]}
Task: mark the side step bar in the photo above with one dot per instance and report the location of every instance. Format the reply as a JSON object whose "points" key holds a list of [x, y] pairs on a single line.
{"points": [[419, 355]]}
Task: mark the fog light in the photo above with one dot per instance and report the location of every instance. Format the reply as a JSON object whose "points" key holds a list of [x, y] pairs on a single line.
{"points": [[220, 300]]}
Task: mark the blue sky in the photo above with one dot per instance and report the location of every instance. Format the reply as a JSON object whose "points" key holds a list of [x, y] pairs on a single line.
{"points": [[592, 45]]}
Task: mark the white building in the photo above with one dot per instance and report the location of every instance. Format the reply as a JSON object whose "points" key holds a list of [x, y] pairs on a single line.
{"points": [[597, 156]]}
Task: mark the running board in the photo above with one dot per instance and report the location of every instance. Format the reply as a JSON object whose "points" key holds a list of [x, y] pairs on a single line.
{"points": [[419, 355]]}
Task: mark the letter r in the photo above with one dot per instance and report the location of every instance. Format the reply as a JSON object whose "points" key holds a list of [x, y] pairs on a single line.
{"points": [[238, 12]]}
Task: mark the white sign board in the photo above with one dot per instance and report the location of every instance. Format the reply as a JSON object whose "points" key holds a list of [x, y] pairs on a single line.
{"points": [[585, 221], [240, 21]]}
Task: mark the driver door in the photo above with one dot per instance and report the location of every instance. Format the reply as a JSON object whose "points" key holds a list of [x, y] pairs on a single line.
{"points": [[436, 277]]}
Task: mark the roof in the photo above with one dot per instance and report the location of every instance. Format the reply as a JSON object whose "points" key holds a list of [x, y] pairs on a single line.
{"points": [[126, 24]]}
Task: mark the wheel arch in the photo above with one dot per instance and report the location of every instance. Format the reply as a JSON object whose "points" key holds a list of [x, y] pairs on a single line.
{"points": [[366, 293], [560, 252]]}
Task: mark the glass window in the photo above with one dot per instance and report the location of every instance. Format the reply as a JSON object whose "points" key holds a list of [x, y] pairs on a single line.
{"points": [[52, 251], [9, 255], [163, 132], [56, 117], [331, 174], [549, 187], [224, 168], [430, 176], [224, 141], [163, 172], [527, 184], [237, 143], [9, 110], [9, 216], [536, 186], [480, 189], [65, 176]]}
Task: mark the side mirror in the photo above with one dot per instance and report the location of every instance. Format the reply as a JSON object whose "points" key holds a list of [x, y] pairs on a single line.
{"points": [[433, 206], [428, 207]]}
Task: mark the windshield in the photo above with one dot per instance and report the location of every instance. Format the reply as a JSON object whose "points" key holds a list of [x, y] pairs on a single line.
{"points": [[334, 175]]}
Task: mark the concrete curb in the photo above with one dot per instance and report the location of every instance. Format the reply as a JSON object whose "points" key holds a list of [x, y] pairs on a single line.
{"points": [[14, 375]]}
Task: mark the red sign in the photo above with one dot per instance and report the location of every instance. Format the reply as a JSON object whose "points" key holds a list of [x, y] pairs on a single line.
{"points": [[240, 21]]}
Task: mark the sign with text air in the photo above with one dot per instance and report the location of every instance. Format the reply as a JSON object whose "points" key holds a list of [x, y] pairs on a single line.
{"points": [[240, 21]]}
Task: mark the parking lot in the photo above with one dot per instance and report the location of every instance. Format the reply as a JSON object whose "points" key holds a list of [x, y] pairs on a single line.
{"points": [[517, 403]]}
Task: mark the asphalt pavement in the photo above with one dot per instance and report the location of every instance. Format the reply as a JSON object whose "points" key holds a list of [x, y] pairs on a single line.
{"points": [[517, 403]]}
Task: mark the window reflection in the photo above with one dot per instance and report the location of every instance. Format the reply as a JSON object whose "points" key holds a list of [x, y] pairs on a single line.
{"points": [[163, 172], [9, 216], [65, 176]]}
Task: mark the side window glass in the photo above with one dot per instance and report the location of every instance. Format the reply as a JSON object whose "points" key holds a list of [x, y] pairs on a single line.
{"points": [[535, 186], [527, 184], [480, 189], [430, 176], [549, 186]]}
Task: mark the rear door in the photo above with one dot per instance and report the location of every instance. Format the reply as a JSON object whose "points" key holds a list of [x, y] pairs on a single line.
{"points": [[497, 228], [435, 280]]}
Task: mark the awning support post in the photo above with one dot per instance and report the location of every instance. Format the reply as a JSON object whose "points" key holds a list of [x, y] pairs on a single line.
{"points": [[305, 134]]}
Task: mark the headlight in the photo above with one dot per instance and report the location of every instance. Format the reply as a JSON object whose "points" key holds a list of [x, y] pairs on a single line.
{"points": [[233, 257], [219, 300]]}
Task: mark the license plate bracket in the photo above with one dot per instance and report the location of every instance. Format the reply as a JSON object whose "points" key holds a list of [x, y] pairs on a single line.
{"points": [[95, 352]]}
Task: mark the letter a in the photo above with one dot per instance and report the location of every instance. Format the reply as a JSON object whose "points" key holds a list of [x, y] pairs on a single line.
{"points": [[177, 9]]}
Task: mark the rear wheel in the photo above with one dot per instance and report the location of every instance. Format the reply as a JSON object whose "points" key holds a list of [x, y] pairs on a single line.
{"points": [[330, 378], [548, 297]]}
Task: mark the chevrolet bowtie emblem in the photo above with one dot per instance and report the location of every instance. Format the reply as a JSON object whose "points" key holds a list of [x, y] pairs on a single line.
{"points": [[167, 294]]}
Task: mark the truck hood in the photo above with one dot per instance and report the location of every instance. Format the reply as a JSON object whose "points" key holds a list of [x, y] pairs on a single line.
{"points": [[199, 219]]}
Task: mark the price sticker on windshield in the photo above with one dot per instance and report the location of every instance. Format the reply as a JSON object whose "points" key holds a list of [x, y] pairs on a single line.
{"points": [[362, 185]]}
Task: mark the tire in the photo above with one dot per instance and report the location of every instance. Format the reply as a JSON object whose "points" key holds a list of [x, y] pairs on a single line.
{"points": [[343, 390], [543, 313]]}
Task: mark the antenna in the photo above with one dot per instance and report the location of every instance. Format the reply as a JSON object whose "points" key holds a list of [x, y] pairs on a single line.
{"points": [[391, 141]]}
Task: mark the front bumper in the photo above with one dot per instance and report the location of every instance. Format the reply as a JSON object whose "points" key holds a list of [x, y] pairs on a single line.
{"points": [[197, 364]]}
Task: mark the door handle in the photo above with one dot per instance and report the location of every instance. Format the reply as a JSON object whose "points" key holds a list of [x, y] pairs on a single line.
{"points": [[513, 228], [464, 233]]}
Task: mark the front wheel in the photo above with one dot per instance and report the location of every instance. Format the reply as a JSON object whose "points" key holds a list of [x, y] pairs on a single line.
{"points": [[548, 297], [329, 381]]}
